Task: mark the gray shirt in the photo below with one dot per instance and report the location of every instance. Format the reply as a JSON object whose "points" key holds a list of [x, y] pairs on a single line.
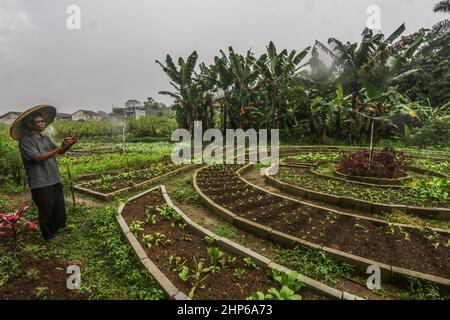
{"points": [[39, 174]]}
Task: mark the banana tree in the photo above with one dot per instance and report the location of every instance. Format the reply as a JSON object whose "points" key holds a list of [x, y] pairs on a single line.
{"points": [[276, 71], [243, 92], [188, 93], [353, 61], [382, 79]]}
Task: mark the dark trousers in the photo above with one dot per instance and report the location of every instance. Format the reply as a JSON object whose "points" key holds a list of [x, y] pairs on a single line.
{"points": [[51, 207]]}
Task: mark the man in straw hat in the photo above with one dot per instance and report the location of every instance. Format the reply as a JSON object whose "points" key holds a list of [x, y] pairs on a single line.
{"points": [[39, 159]]}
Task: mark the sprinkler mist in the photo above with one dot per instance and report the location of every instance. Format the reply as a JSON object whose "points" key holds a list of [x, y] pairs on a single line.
{"points": [[124, 150]]}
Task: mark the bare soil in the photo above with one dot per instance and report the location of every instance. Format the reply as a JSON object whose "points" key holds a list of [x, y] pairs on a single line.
{"points": [[372, 240], [187, 244]]}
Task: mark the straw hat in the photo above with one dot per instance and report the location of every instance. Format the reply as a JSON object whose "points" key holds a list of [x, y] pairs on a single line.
{"points": [[17, 129]]}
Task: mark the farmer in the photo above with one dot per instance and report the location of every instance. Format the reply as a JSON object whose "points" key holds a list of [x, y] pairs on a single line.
{"points": [[39, 160]]}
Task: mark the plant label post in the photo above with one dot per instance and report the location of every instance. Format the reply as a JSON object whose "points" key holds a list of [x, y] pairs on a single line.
{"points": [[371, 142], [372, 123], [72, 191], [123, 144], [123, 137]]}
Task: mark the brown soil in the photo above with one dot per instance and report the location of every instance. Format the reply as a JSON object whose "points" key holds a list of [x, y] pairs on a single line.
{"points": [[51, 275], [186, 244], [119, 182], [361, 237]]}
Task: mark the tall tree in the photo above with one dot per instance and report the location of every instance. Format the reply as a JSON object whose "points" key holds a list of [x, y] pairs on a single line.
{"points": [[188, 93], [354, 61], [276, 71]]}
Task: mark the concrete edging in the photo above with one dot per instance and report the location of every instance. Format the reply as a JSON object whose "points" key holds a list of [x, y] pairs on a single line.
{"points": [[352, 203], [226, 244], [171, 291], [390, 273], [260, 261], [108, 196]]}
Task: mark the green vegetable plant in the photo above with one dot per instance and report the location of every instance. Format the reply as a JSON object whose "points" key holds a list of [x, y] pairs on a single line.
{"points": [[198, 276], [33, 274], [160, 239], [177, 262], [273, 294], [289, 280], [165, 211], [209, 239], [239, 273], [136, 227], [148, 240], [184, 273], [41, 292], [249, 263], [150, 219], [217, 258]]}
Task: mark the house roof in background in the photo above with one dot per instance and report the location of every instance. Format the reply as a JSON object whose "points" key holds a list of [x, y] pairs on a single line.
{"points": [[13, 112], [88, 112]]}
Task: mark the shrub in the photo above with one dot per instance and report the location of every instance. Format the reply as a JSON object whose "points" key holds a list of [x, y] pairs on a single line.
{"points": [[432, 134], [385, 164], [13, 222]]}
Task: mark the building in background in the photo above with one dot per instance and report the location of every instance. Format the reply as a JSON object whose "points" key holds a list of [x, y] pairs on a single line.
{"points": [[63, 116], [85, 115], [117, 113], [9, 117], [134, 109]]}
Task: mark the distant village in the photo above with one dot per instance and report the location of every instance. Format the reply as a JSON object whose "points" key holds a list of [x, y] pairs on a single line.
{"points": [[133, 109]]}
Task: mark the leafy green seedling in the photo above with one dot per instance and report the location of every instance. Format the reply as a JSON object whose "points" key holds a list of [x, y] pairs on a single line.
{"points": [[184, 273], [249, 263], [239, 273], [136, 227]]}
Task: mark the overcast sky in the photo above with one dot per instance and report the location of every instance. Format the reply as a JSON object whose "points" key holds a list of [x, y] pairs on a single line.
{"points": [[112, 58]]}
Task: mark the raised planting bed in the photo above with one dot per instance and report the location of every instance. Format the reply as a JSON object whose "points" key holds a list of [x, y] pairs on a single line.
{"points": [[327, 169], [191, 262], [361, 241], [402, 178], [308, 180], [111, 185]]}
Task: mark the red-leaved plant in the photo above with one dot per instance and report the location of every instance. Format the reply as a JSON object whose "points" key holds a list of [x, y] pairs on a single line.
{"points": [[385, 164], [13, 222]]}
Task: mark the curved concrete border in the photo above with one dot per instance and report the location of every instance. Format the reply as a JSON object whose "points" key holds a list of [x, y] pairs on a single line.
{"points": [[388, 273], [353, 203], [313, 169], [374, 180], [326, 149], [108, 196], [224, 243], [171, 291]]}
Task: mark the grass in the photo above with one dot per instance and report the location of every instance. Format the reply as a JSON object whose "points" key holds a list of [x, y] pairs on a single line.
{"points": [[421, 290], [305, 179], [230, 232], [313, 263], [182, 190], [397, 216], [109, 268]]}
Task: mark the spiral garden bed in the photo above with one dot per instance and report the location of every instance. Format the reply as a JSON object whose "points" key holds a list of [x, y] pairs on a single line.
{"points": [[399, 251], [109, 186], [188, 259]]}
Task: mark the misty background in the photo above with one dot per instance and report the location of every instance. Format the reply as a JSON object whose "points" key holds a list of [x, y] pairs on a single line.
{"points": [[112, 58]]}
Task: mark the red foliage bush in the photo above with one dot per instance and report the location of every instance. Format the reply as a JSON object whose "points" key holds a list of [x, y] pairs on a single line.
{"points": [[385, 164]]}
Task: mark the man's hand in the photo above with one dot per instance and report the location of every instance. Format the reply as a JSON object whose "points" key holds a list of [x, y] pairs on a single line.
{"points": [[69, 141]]}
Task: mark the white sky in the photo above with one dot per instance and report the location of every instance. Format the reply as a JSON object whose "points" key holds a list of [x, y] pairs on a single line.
{"points": [[112, 58]]}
